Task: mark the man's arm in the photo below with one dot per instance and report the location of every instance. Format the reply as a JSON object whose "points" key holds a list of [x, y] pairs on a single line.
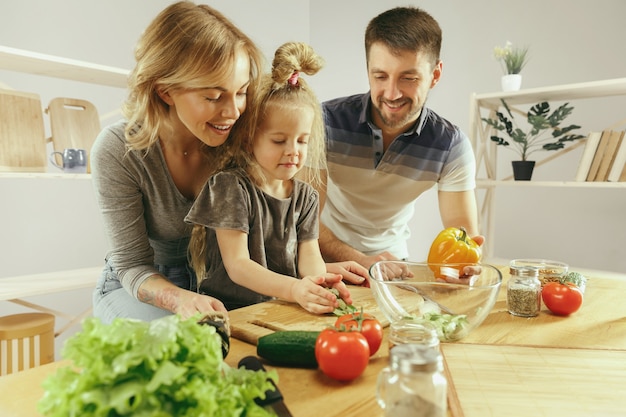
{"points": [[333, 249], [459, 209]]}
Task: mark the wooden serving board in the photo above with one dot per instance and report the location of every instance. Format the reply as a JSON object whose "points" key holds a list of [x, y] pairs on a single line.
{"points": [[250, 323], [521, 381], [74, 123], [22, 133]]}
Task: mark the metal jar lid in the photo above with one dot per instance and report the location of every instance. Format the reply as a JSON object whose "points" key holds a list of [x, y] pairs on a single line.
{"points": [[410, 358], [524, 271]]}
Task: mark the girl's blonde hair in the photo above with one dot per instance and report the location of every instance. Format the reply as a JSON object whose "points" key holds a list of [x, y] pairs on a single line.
{"points": [[275, 92], [186, 46]]}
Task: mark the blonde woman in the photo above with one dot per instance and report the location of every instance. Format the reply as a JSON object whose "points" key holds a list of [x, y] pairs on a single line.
{"points": [[188, 88], [261, 223]]}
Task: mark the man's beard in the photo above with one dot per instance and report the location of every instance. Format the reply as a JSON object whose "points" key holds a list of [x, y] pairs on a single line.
{"points": [[402, 120]]}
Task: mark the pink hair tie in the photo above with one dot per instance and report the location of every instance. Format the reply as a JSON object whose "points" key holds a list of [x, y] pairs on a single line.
{"points": [[293, 80]]}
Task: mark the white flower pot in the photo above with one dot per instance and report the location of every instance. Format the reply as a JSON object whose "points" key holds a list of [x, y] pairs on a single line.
{"points": [[511, 82]]}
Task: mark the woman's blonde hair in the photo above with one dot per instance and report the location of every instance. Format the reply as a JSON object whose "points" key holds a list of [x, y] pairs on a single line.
{"points": [[186, 46], [280, 89]]}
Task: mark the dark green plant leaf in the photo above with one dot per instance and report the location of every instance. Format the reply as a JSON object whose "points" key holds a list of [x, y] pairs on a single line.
{"points": [[553, 146], [561, 131], [518, 135], [499, 140], [570, 138], [539, 109], [560, 114]]}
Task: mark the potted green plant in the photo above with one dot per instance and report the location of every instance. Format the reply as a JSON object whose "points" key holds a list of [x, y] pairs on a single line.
{"points": [[545, 132], [513, 60]]}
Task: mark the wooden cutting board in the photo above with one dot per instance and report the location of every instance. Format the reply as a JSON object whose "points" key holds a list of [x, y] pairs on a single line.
{"points": [[22, 133], [74, 123], [522, 381], [250, 323]]}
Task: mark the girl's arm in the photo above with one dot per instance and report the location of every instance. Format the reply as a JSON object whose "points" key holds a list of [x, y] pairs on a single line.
{"points": [[308, 291], [310, 262]]}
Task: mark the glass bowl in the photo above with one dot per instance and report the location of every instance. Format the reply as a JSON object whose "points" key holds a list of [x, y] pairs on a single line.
{"points": [[404, 289], [549, 271]]}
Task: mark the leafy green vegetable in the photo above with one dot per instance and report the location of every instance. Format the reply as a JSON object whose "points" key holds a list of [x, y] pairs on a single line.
{"points": [[167, 367], [343, 307], [576, 278], [449, 326]]}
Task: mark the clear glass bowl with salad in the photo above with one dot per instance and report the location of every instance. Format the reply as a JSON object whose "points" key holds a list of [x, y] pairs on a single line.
{"points": [[454, 298]]}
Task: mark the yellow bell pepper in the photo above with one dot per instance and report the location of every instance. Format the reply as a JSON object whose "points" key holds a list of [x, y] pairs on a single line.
{"points": [[453, 246]]}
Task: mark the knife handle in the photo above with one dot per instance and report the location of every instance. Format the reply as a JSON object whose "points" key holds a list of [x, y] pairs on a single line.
{"points": [[221, 328], [254, 364]]}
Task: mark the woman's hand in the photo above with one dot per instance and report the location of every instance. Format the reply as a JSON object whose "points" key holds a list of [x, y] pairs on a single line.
{"points": [[192, 303], [158, 291]]}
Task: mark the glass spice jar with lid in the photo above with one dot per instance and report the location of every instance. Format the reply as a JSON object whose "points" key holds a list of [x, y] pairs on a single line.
{"points": [[413, 385], [408, 330], [523, 293]]}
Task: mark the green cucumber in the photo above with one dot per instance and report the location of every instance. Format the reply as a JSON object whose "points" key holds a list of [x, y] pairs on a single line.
{"points": [[289, 348]]}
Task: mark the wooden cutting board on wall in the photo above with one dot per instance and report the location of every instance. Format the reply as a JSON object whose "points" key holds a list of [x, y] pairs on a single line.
{"points": [[22, 134], [250, 323], [74, 123]]}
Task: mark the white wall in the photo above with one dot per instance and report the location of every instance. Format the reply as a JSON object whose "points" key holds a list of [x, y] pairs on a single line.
{"points": [[570, 41]]}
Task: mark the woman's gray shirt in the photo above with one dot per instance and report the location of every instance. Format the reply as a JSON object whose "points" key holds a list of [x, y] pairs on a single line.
{"points": [[142, 210]]}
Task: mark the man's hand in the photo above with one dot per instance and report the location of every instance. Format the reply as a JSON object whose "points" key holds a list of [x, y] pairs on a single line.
{"points": [[368, 261], [351, 271]]}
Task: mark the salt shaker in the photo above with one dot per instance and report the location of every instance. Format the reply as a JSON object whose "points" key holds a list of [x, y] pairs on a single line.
{"points": [[413, 385], [523, 294]]}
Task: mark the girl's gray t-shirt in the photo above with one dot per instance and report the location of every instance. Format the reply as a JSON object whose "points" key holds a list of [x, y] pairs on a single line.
{"points": [[275, 226]]}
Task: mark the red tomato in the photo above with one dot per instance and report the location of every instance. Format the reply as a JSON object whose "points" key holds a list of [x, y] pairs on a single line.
{"points": [[562, 299], [366, 324], [341, 355]]}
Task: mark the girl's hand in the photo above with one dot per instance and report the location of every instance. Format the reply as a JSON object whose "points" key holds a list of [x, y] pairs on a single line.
{"points": [[311, 294], [335, 281]]}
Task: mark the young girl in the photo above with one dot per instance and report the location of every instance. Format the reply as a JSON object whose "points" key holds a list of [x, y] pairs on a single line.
{"points": [[261, 223]]}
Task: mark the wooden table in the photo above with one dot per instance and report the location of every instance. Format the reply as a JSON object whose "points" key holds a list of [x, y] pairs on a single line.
{"points": [[303, 389], [599, 324], [509, 366]]}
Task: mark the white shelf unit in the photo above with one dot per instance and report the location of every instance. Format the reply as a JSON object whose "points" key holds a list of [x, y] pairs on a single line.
{"points": [[486, 105], [15, 289], [19, 60]]}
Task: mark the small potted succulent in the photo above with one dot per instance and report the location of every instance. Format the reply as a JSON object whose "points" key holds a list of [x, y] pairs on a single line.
{"points": [[544, 133]]}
